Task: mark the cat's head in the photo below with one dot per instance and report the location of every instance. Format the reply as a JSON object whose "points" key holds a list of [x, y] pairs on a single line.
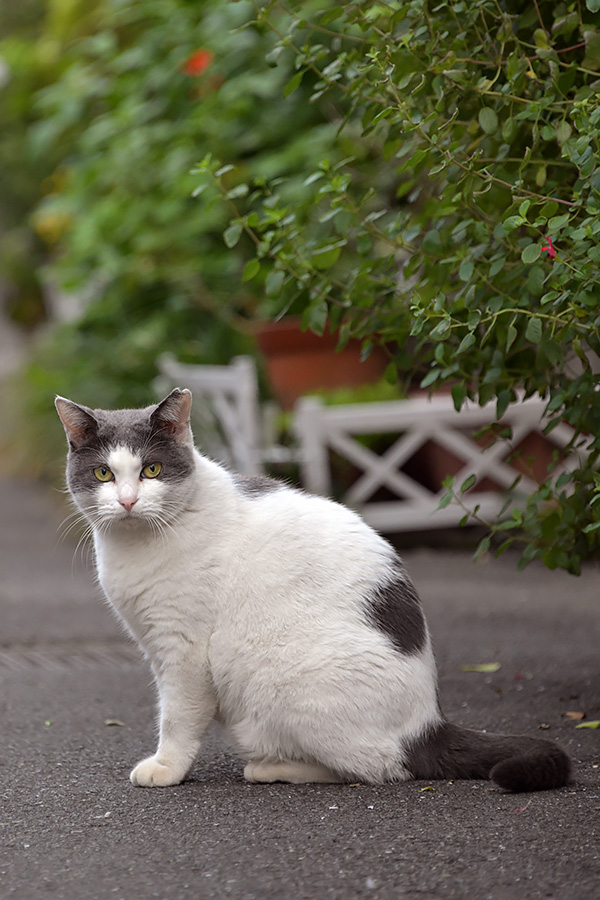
{"points": [[130, 466]]}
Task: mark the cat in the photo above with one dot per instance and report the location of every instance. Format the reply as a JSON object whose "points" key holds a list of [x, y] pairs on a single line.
{"points": [[281, 615]]}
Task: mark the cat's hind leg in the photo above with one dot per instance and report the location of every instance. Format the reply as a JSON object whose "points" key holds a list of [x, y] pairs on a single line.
{"points": [[266, 771]]}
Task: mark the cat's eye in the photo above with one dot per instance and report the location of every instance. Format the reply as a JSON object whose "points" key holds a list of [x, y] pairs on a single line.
{"points": [[102, 473], [152, 470]]}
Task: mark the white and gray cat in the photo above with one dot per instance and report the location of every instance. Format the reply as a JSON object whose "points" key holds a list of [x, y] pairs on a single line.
{"points": [[281, 615]]}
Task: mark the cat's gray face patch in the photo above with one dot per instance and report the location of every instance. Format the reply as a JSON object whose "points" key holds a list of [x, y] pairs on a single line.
{"points": [[395, 609], [148, 433], [132, 429]]}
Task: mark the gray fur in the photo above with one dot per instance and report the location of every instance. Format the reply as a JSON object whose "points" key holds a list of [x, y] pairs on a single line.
{"points": [[395, 609], [256, 485], [515, 762], [148, 432]]}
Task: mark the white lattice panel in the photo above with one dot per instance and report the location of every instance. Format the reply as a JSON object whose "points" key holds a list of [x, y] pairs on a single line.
{"points": [[419, 423]]}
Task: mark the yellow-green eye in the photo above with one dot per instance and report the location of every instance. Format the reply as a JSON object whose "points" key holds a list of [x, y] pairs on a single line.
{"points": [[152, 470], [103, 474]]}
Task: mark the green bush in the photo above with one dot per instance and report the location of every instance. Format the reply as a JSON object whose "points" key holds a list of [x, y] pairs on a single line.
{"points": [[463, 224], [135, 102], [33, 34]]}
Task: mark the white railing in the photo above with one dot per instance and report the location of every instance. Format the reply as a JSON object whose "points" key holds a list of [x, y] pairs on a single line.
{"points": [[418, 422], [230, 425]]}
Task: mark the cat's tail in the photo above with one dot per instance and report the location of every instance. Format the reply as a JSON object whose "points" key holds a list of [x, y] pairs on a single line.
{"points": [[516, 763]]}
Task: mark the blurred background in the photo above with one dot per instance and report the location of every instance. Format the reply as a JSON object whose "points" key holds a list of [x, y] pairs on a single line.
{"points": [[106, 257], [180, 177]]}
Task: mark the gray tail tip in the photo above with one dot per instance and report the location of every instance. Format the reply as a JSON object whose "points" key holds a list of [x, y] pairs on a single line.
{"points": [[533, 770]]}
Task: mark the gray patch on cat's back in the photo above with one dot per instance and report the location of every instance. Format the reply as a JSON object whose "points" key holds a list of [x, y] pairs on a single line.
{"points": [[256, 485], [395, 609]]}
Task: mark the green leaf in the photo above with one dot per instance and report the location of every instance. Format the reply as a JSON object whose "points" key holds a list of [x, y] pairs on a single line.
{"points": [[593, 5], [541, 175], [503, 399], [326, 258], [563, 133], [523, 208], [240, 190], [488, 120], [391, 373], [511, 336], [332, 15], [274, 282], [317, 317], [251, 269], [468, 341], [468, 484], [232, 234], [591, 59], [431, 376], [459, 394], [466, 269], [293, 83], [497, 266], [432, 242], [530, 253], [533, 332], [557, 222], [482, 547], [482, 667], [592, 527], [511, 222], [593, 723], [445, 500]]}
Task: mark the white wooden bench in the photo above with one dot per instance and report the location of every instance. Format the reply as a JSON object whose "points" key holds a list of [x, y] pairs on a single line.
{"points": [[411, 505]]}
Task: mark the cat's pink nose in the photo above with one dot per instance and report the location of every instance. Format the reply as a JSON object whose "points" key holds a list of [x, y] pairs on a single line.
{"points": [[128, 504]]}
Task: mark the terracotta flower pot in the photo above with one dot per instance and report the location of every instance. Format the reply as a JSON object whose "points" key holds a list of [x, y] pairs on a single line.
{"points": [[298, 362]]}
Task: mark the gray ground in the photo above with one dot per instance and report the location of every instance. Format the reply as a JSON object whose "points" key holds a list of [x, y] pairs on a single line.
{"points": [[72, 826]]}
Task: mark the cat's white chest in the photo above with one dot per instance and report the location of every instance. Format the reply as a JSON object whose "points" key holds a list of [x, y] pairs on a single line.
{"points": [[150, 584]]}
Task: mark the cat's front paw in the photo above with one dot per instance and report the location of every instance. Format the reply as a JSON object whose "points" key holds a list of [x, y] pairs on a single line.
{"points": [[153, 773]]}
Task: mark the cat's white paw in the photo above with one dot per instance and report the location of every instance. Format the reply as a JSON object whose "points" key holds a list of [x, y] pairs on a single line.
{"points": [[152, 773]]}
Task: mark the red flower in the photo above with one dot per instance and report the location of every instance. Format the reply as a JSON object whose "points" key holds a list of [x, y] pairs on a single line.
{"points": [[197, 63], [550, 248]]}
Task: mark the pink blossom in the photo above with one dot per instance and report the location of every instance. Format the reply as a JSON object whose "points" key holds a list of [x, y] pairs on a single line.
{"points": [[550, 249]]}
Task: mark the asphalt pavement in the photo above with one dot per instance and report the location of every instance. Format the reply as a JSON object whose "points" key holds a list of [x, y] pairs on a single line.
{"points": [[77, 711]]}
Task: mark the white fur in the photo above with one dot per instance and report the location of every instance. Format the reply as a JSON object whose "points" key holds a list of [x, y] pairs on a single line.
{"points": [[251, 610]]}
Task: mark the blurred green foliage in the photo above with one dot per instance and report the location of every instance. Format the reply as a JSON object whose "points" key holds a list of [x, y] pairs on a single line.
{"points": [[32, 38], [116, 133]]}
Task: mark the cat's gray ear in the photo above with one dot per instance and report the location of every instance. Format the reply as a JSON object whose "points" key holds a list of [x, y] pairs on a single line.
{"points": [[78, 421], [173, 414]]}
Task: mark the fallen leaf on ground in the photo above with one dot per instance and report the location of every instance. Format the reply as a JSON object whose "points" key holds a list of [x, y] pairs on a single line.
{"points": [[574, 715], [114, 722], [426, 789], [595, 723], [543, 726], [482, 667]]}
